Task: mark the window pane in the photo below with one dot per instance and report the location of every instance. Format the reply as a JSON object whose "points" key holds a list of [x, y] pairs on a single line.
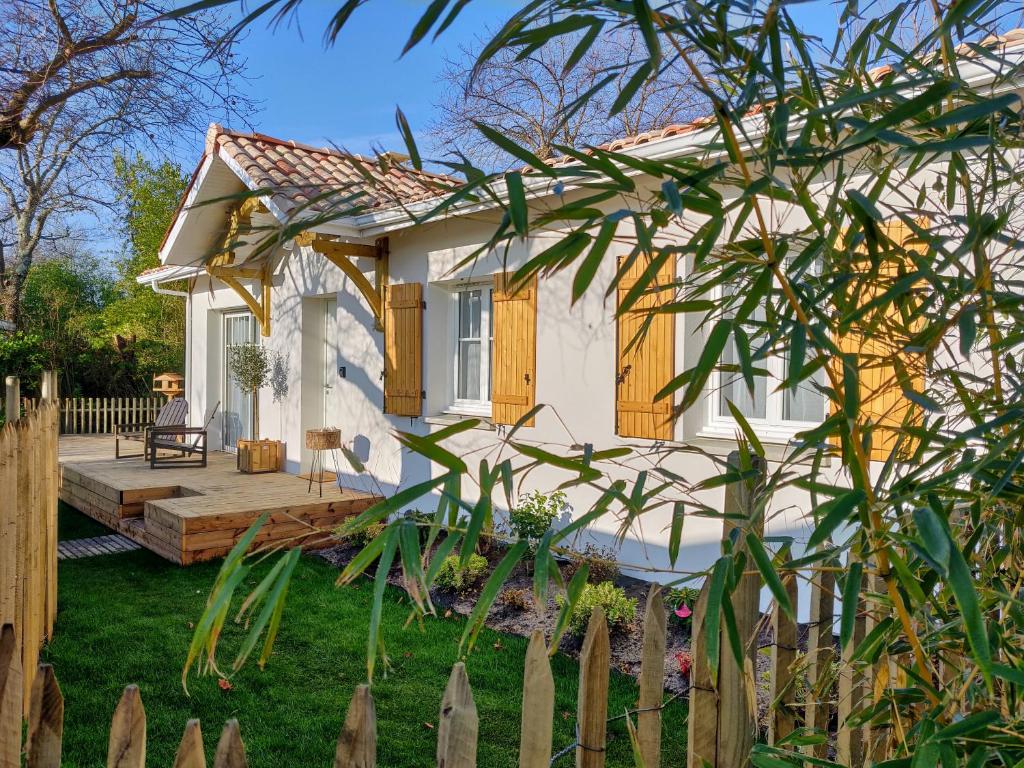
{"points": [[469, 370], [469, 315], [751, 406], [734, 388], [807, 403]]}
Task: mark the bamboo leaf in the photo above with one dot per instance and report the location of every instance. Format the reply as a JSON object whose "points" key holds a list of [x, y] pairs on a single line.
{"points": [[851, 601], [769, 574], [833, 514], [676, 533], [709, 358]]}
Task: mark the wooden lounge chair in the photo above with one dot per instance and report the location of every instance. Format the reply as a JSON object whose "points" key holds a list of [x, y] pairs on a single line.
{"points": [[175, 439], [173, 414]]}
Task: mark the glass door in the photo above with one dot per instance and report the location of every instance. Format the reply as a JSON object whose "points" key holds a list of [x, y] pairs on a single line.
{"points": [[239, 328]]}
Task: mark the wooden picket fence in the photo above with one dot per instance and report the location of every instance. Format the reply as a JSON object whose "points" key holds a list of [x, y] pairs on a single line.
{"points": [[723, 723], [99, 415], [28, 535], [710, 725]]}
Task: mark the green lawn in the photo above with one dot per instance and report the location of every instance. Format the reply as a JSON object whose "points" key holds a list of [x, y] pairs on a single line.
{"points": [[126, 619], [72, 524]]}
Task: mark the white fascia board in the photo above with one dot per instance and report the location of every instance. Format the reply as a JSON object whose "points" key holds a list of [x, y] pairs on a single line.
{"points": [[974, 73], [174, 273], [179, 219]]}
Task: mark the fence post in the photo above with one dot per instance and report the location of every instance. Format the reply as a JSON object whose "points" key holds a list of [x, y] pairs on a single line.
{"points": [[850, 747], [737, 724], [357, 743], [190, 752], [538, 706], [127, 744], [592, 706], [45, 721], [230, 749], [652, 679], [11, 692], [702, 721], [12, 399], [458, 723], [783, 718], [48, 388], [820, 653]]}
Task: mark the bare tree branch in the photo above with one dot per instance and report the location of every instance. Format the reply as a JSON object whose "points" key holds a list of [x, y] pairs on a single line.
{"points": [[529, 99], [82, 79]]}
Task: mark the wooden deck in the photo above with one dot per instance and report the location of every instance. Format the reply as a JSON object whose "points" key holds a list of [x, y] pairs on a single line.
{"points": [[192, 514]]}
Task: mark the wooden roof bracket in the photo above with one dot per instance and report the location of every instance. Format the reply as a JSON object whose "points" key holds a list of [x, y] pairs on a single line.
{"points": [[341, 254], [230, 276], [239, 221]]}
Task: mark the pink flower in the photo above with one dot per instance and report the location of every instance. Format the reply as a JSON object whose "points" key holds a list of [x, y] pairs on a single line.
{"points": [[683, 611]]}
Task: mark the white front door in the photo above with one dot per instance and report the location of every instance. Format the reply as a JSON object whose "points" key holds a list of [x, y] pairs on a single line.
{"points": [[239, 328]]}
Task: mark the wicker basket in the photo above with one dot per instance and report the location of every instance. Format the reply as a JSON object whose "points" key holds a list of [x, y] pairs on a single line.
{"points": [[326, 439]]}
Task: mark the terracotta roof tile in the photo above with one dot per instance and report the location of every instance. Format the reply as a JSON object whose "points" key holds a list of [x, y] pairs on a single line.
{"points": [[154, 271], [1011, 39], [300, 173]]}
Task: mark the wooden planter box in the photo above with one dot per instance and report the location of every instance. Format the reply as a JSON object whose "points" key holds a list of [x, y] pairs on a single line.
{"points": [[255, 456]]}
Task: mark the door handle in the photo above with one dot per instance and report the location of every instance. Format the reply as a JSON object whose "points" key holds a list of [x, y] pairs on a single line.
{"points": [[621, 378]]}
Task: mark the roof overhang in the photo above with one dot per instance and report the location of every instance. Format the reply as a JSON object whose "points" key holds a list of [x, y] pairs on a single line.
{"points": [[167, 274], [219, 180], [217, 184], [974, 74]]}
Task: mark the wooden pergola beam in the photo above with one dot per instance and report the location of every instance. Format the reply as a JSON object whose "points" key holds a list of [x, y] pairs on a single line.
{"points": [[341, 254]]}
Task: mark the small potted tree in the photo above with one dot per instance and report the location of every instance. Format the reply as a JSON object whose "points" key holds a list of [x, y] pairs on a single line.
{"points": [[251, 364]]}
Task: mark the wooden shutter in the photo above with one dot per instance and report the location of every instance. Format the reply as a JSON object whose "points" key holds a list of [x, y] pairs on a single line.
{"points": [[403, 349], [514, 366], [878, 340], [645, 364]]}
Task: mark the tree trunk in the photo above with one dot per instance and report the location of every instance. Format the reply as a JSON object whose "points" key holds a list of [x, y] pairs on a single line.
{"points": [[10, 298]]}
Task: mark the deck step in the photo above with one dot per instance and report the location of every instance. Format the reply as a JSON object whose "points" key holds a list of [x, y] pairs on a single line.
{"points": [[189, 515]]}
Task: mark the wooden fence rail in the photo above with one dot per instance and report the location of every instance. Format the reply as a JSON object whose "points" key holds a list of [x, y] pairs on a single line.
{"points": [[28, 536], [99, 415]]}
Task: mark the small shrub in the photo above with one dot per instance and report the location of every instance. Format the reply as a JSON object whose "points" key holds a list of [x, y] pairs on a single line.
{"points": [[362, 537], [601, 561], [517, 599], [533, 515], [455, 579], [618, 609]]}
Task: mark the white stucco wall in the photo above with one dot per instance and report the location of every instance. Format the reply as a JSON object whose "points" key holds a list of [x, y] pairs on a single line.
{"points": [[576, 368]]}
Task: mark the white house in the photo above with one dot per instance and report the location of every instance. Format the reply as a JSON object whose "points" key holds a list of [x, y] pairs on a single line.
{"points": [[453, 343]]}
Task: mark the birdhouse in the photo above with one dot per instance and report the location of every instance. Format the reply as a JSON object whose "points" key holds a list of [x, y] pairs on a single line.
{"points": [[171, 385]]}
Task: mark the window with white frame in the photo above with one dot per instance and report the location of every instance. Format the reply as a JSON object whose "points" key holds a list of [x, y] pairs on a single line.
{"points": [[474, 345], [776, 412]]}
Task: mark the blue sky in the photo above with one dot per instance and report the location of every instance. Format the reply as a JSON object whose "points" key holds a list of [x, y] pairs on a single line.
{"points": [[346, 94]]}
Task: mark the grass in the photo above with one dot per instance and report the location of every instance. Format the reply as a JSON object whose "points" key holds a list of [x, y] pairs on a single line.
{"points": [[127, 619], [72, 524]]}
